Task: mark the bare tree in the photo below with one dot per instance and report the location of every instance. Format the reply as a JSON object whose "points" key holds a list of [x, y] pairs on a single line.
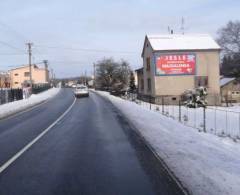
{"points": [[229, 38], [132, 86], [111, 74]]}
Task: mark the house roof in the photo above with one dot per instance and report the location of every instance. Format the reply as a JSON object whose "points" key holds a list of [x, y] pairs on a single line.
{"points": [[224, 81], [139, 69], [23, 66], [177, 42]]}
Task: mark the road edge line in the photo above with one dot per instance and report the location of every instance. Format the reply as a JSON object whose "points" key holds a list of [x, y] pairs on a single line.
{"points": [[25, 148]]}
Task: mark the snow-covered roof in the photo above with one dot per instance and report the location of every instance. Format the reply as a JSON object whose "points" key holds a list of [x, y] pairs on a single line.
{"points": [[182, 42], [224, 81]]}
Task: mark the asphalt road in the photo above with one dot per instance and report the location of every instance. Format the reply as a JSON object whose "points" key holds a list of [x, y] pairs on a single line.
{"points": [[91, 151]]}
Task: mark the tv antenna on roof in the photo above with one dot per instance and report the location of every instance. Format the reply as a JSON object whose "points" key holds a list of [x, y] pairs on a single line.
{"points": [[182, 25], [170, 31]]}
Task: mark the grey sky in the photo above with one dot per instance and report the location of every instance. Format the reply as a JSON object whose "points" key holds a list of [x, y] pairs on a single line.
{"points": [[111, 25]]}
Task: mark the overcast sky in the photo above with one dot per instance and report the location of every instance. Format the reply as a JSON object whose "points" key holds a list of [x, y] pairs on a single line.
{"points": [[72, 34]]}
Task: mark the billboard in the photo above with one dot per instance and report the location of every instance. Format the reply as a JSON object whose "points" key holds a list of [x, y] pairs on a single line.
{"points": [[175, 64]]}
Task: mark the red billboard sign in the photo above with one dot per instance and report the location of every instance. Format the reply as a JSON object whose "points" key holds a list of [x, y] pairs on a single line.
{"points": [[175, 64]]}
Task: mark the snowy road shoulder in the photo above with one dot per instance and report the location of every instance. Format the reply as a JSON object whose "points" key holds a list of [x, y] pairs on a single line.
{"points": [[11, 108], [204, 163]]}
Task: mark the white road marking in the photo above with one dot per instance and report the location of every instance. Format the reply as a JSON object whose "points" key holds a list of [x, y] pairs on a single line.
{"points": [[17, 155]]}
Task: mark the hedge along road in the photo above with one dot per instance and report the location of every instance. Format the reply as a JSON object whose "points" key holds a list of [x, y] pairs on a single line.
{"points": [[91, 150]]}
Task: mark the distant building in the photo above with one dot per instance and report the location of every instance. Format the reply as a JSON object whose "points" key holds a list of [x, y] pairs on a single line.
{"points": [[139, 80], [71, 82], [173, 64], [20, 76], [4, 79], [91, 83], [230, 90]]}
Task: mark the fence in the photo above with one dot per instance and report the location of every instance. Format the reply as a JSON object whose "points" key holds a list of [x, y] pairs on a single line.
{"points": [[10, 95], [38, 88], [222, 121]]}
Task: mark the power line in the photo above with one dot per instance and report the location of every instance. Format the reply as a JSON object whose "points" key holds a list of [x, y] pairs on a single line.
{"points": [[11, 46], [14, 31], [86, 50], [68, 61], [12, 54]]}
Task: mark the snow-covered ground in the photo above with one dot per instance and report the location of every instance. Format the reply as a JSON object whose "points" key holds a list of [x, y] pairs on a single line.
{"points": [[17, 106], [204, 163], [223, 121]]}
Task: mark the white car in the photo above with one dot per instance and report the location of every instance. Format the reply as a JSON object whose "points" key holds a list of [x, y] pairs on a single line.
{"points": [[81, 91]]}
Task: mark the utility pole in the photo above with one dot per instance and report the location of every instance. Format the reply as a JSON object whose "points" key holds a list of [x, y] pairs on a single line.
{"points": [[46, 70], [52, 75], [94, 76], [169, 30], [85, 75], [183, 26], [29, 45]]}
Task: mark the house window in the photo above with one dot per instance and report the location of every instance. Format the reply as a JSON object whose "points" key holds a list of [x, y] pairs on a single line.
{"points": [[206, 81], [148, 64], [149, 84], [26, 74], [235, 93], [142, 84], [16, 74], [201, 81]]}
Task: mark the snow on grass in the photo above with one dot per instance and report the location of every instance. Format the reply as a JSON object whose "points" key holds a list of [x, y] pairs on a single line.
{"points": [[17, 106], [204, 163], [219, 121], [223, 121]]}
